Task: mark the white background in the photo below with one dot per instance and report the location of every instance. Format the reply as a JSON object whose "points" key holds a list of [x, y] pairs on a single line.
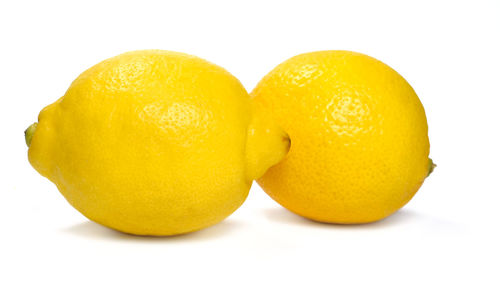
{"points": [[447, 236]]}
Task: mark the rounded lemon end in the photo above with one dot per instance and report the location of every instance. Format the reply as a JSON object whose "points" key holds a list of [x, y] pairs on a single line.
{"points": [[432, 165], [28, 133]]}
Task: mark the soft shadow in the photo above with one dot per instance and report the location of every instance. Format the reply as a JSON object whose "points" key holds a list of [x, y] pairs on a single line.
{"points": [[284, 216], [92, 230]]}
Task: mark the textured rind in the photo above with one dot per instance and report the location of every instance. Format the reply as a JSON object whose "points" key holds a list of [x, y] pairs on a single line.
{"points": [[148, 142], [359, 144]]}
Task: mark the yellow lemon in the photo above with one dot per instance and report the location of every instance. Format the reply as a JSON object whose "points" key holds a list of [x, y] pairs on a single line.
{"points": [[154, 143], [359, 145]]}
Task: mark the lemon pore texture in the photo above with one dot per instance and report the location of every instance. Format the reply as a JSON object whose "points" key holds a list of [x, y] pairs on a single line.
{"points": [[154, 143], [359, 145]]}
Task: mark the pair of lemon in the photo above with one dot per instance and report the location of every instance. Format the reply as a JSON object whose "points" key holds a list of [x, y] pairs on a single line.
{"points": [[162, 143]]}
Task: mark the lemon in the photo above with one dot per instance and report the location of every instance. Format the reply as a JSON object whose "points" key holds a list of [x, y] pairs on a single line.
{"points": [[359, 145], [154, 143]]}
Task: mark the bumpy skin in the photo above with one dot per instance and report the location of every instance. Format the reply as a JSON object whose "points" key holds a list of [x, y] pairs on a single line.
{"points": [[153, 143], [359, 145]]}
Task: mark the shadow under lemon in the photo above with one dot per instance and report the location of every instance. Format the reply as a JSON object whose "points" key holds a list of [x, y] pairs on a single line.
{"points": [[281, 215], [92, 230]]}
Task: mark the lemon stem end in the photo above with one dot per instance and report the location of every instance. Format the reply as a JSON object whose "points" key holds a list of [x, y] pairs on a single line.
{"points": [[28, 133], [432, 165]]}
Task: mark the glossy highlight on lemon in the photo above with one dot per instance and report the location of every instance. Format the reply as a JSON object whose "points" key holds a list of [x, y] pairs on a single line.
{"points": [[359, 144], [154, 142]]}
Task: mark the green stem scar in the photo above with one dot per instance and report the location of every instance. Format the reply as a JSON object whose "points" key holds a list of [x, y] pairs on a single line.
{"points": [[431, 167], [28, 133]]}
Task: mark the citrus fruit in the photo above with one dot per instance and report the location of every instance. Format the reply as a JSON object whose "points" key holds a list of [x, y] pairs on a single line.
{"points": [[359, 145], [154, 143]]}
